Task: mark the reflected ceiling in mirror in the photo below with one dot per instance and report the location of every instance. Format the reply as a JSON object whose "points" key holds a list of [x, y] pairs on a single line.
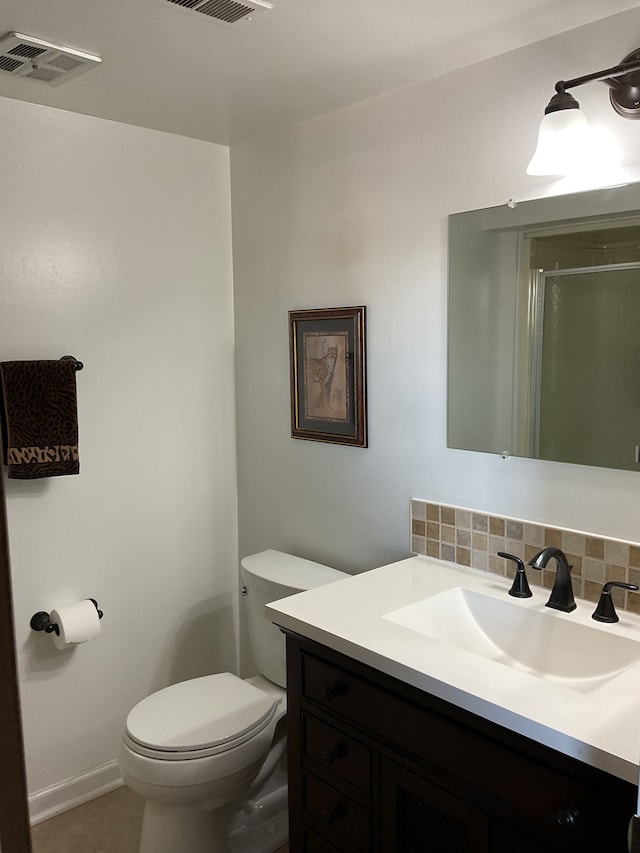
{"points": [[544, 329]]}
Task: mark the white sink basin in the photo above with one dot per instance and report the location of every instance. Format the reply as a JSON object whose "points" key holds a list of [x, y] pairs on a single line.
{"points": [[539, 642]]}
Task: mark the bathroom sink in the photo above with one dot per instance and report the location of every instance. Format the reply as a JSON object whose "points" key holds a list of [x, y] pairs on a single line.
{"points": [[536, 641]]}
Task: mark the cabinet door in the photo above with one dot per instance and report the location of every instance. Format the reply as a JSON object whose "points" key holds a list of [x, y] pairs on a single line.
{"points": [[420, 817]]}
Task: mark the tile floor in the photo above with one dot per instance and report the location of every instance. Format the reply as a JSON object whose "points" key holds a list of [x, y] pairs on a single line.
{"points": [[110, 824]]}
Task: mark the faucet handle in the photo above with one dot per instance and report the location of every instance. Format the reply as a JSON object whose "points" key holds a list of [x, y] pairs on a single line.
{"points": [[520, 585], [606, 611]]}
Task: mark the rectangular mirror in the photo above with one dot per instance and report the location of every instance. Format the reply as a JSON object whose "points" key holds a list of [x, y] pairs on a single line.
{"points": [[544, 329]]}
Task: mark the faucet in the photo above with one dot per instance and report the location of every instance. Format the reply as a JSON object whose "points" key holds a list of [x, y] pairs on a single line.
{"points": [[561, 597]]}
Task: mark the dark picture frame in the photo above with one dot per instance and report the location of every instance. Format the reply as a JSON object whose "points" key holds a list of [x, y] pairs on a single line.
{"points": [[328, 376]]}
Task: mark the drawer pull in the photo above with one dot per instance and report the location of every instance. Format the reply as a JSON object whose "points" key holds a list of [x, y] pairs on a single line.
{"points": [[567, 818], [328, 816], [330, 693], [329, 755]]}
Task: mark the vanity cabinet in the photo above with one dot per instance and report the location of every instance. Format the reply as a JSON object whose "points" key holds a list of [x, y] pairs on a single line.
{"points": [[377, 766]]}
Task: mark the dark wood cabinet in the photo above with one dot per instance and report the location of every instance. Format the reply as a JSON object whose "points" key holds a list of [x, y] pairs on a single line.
{"points": [[419, 816], [377, 766]]}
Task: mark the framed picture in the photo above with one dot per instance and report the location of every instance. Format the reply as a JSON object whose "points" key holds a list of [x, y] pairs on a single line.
{"points": [[328, 378]]}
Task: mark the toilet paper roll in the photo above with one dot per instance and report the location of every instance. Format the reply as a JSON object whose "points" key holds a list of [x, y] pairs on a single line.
{"points": [[77, 623]]}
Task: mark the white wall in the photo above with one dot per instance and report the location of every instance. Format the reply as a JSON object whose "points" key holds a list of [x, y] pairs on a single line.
{"points": [[115, 246], [351, 208]]}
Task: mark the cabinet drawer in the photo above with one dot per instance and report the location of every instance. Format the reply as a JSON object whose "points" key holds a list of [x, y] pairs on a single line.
{"points": [[340, 815], [341, 756], [314, 844], [333, 688]]}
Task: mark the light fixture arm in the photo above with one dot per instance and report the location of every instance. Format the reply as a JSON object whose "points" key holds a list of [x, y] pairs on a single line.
{"points": [[623, 81], [609, 75]]}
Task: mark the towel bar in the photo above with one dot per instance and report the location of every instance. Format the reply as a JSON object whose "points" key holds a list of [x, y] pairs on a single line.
{"points": [[79, 364]]}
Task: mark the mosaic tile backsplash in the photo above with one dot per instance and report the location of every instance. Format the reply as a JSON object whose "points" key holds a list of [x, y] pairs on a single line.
{"points": [[471, 538]]}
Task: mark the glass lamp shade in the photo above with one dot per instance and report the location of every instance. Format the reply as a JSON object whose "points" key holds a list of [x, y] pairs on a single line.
{"points": [[563, 139]]}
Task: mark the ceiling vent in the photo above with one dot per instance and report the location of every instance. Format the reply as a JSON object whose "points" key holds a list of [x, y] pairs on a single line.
{"points": [[225, 11], [26, 56]]}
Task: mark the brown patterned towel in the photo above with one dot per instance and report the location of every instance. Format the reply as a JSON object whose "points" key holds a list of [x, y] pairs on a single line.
{"points": [[39, 418]]}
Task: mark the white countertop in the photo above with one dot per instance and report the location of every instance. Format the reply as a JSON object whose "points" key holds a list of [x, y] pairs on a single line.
{"points": [[601, 728]]}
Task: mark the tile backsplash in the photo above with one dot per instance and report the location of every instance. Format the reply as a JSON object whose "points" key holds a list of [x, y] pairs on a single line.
{"points": [[471, 538]]}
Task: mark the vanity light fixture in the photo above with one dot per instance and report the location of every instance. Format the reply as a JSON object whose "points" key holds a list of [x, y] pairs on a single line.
{"points": [[564, 132]]}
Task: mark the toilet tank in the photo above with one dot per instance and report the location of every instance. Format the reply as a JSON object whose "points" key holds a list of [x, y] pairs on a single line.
{"points": [[268, 576]]}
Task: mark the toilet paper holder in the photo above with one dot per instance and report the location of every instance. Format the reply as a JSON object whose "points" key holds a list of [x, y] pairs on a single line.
{"points": [[40, 621]]}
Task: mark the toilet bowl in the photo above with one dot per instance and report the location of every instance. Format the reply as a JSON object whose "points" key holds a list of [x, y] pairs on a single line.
{"points": [[192, 749], [208, 754]]}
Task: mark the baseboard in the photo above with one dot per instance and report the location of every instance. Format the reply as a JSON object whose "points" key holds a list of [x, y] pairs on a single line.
{"points": [[69, 793]]}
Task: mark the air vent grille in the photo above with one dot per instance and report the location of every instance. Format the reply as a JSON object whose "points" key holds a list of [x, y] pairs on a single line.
{"points": [[47, 75], [42, 60], [225, 11], [8, 64], [65, 63], [27, 51]]}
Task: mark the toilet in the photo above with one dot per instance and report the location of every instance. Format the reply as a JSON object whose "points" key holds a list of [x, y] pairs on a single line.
{"points": [[208, 755]]}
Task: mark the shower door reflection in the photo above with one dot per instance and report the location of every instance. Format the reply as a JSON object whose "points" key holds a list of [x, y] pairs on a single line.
{"points": [[585, 359]]}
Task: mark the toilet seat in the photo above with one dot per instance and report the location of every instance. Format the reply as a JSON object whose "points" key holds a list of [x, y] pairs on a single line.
{"points": [[197, 718]]}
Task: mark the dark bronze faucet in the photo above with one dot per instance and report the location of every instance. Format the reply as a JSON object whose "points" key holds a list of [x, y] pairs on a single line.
{"points": [[561, 597]]}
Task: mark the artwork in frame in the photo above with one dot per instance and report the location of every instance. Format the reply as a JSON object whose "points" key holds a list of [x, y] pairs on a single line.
{"points": [[328, 377]]}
